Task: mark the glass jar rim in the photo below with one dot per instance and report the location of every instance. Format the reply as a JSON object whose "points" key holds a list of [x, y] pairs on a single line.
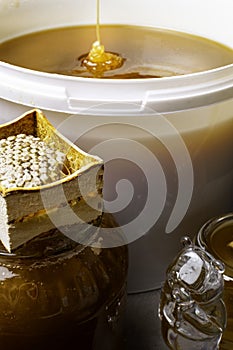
{"points": [[211, 226], [48, 253]]}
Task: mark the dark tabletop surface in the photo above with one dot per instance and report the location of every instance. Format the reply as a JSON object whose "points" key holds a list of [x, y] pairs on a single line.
{"points": [[141, 325], [139, 328]]}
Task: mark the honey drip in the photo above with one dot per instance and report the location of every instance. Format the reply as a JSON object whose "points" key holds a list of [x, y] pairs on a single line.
{"points": [[98, 61]]}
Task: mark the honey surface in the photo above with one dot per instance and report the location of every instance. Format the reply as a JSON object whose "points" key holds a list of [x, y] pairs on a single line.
{"points": [[147, 52]]}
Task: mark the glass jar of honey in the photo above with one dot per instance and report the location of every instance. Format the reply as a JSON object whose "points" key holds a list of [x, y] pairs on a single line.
{"points": [[55, 293], [216, 237]]}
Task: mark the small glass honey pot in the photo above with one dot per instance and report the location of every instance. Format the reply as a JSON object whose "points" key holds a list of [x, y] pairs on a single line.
{"points": [[192, 311], [216, 237], [197, 296]]}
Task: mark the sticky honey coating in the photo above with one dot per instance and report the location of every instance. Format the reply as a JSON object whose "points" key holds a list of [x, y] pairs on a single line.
{"points": [[27, 161]]}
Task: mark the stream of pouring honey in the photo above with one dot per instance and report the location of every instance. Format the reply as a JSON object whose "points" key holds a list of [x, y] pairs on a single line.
{"points": [[98, 60]]}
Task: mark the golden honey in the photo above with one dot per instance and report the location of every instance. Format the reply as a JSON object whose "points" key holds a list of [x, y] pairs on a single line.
{"points": [[98, 61]]}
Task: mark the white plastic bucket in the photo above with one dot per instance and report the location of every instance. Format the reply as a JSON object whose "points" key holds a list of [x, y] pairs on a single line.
{"points": [[177, 130]]}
